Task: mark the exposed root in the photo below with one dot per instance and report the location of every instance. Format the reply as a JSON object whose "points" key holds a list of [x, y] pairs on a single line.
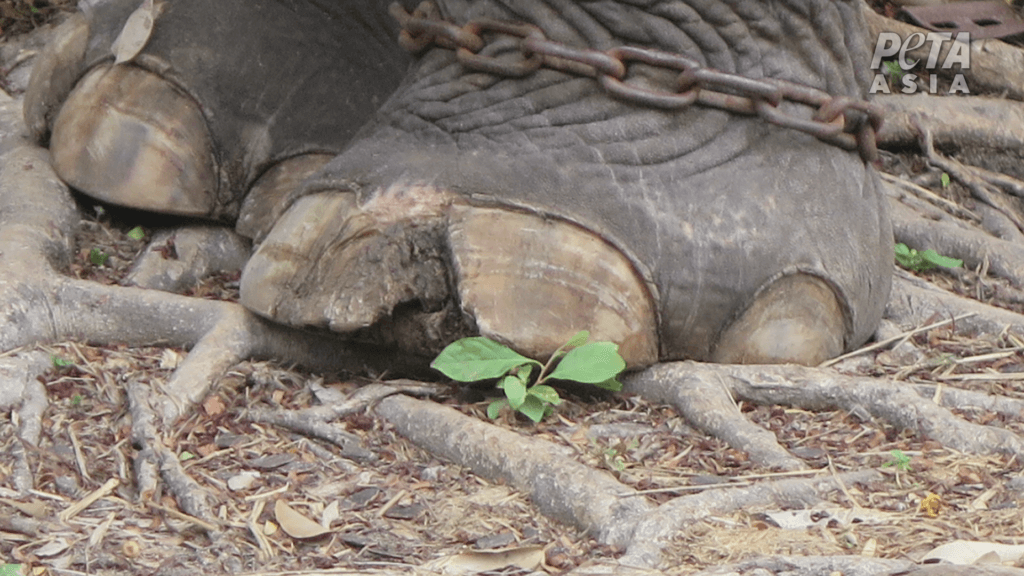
{"points": [[974, 247], [974, 179], [298, 421], [815, 566], [19, 381], [146, 435], [655, 531], [960, 122], [559, 486], [916, 302], [178, 259], [816, 389], [707, 404]]}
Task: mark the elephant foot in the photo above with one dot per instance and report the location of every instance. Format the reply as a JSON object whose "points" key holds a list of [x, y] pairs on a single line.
{"points": [[442, 269], [128, 137], [796, 319], [181, 127]]}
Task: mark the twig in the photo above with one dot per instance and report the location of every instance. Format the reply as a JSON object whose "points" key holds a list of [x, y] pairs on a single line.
{"points": [[84, 503], [931, 197], [896, 338]]}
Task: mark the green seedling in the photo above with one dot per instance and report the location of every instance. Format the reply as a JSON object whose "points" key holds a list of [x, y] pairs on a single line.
{"points": [[478, 358], [944, 179], [10, 570], [137, 233], [926, 260], [900, 461], [59, 362], [98, 257], [895, 70]]}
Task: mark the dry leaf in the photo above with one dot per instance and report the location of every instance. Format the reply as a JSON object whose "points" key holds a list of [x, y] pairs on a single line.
{"points": [[296, 525], [135, 34], [242, 480], [52, 548], [331, 513], [964, 552], [169, 359], [526, 558], [213, 405], [35, 508], [870, 548]]}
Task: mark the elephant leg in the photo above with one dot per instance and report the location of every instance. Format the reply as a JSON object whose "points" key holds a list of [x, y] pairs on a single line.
{"points": [[796, 318], [219, 96]]}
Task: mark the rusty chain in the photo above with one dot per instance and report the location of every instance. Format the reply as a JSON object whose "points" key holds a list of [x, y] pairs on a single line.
{"points": [[846, 122]]}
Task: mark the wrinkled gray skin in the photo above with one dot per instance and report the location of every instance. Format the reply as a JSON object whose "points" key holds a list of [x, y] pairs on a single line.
{"points": [[710, 207]]}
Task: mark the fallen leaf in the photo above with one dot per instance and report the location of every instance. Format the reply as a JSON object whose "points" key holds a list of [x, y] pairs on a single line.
{"points": [[526, 558], [213, 405], [169, 359], [295, 524], [52, 548], [331, 513], [242, 480], [965, 552], [35, 508], [135, 34]]}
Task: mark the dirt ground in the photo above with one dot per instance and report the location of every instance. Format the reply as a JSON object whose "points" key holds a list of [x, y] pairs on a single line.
{"points": [[288, 503]]}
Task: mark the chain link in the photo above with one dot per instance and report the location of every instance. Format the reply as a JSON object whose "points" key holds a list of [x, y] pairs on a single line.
{"points": [[842, 121]]}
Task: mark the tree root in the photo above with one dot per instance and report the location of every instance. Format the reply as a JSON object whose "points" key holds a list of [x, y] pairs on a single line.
{"points": [[19, 381], [817, 389], [960, 122], [559, 486], [707, 404], [655, 531], [916, 302]]}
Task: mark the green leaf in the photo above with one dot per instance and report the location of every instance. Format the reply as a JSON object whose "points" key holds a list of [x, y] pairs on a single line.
{"points": [[533, 408], [933, 257], [478, 358], [610, 384], [545, 393], [98, 257], [186, 456], [137, 233], [578, 340], [945, 180], [494, 408], [591, 363], [895, 69], [515, 390], [10, 570], [59, 362]]}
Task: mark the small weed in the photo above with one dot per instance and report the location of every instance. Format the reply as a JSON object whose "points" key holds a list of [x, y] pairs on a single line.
{"points": [[899, 461], [137, 233], [479, 358], [895, 70], [98, 257], [59, 362], [926, 260], [944, 179]]}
